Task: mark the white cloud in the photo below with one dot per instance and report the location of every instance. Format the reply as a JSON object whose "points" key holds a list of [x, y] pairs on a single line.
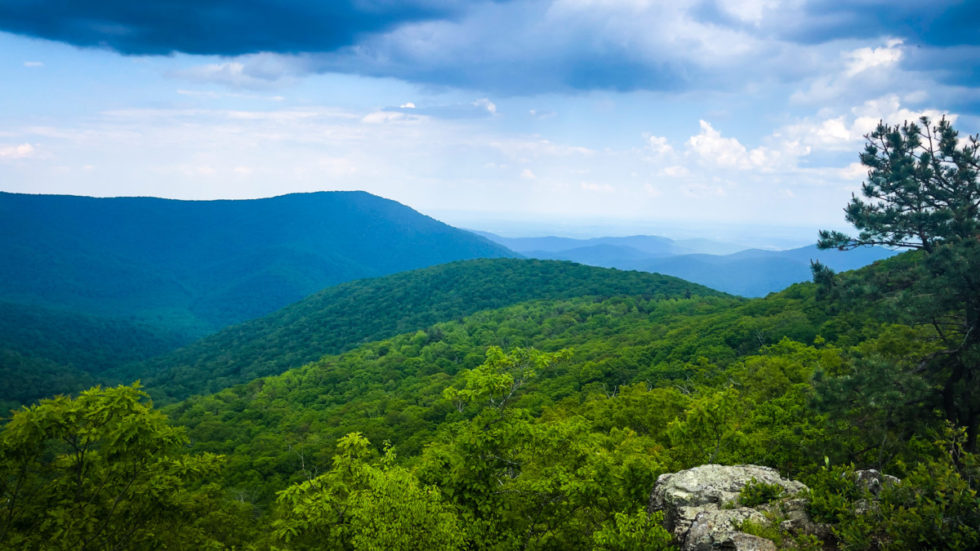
{"points": [[21, 151], [750, 11], [253, 71], [845, 132], [486, 104], [659, 145], [859, 73], [712, 148], [32, 64], [854, 171], [527, 174], [890, 110], [864, 59], [407, 105]]}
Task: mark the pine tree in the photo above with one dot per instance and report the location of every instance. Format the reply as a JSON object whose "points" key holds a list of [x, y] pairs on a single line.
{"points": [[923, 193]]}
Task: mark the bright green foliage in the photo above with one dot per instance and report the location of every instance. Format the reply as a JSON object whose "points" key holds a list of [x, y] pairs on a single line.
{"points": [[365, 506], [833, 492], [345, 316], [544, 425], [678, 350], [708, 424], [101, 471], [771, 530], [630, 532], [497, 380], [934, 507], [756, 493], [522, 483]]}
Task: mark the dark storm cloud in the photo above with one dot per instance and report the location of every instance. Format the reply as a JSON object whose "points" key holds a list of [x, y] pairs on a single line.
{"points": [[527, 47], [958, 66], [562, 71], [221, 27], [517, 47], [942, 37], [940, 23]]}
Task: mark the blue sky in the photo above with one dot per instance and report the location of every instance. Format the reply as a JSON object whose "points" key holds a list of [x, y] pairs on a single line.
{"points": [[575, 116]]}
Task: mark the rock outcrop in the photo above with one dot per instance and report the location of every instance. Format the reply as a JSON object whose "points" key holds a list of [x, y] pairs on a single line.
{"points": [[702, 510]]}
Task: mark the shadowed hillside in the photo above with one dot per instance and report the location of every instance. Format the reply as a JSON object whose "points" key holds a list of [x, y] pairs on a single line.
{"points": [[201, 265]]}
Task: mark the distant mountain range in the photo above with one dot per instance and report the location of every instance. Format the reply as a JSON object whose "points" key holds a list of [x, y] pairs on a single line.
{"points": [[202, 265], [642, 245], [749, 273]]}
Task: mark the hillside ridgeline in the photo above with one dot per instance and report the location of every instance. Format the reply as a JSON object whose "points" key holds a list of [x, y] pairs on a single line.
{"points": [[347, 315]]}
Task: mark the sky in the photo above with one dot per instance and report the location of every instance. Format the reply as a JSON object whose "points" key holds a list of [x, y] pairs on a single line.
{"points": [[575, 117]]}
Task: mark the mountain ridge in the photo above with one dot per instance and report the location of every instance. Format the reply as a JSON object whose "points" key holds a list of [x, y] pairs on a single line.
{"points": [[207, 264], [747, 272], [343, 316]]}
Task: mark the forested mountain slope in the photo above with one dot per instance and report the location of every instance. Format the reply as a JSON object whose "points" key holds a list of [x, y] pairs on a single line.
{"points": [[198, 266], [391, 390], [346, 315], [44, 351], [539, 425], [624, 388], [88, 284]]}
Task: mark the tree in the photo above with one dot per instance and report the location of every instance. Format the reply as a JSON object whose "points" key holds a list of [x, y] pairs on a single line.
{"points": [[923, 193], [361, 505], [101, 471]]}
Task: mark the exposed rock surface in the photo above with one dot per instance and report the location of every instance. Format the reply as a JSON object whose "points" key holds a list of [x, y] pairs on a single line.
{"points": [[701, 507], [872, 481]]}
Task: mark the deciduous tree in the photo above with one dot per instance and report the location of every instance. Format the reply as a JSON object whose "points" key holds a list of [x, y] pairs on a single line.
{"points": [[100, 471]]}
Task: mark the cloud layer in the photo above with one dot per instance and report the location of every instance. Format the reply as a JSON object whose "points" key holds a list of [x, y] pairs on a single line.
{"points": [[519, 47], [223, 27]]}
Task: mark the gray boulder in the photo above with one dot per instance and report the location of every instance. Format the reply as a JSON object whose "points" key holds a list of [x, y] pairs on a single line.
{"points": [[702, 511], [872, 481]]}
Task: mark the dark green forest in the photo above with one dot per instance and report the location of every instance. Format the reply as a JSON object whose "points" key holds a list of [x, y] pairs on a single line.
{"points": [[539, 414], [198, 266], [90, 285]]}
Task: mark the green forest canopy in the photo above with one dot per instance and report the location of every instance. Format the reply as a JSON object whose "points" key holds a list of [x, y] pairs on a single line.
{"points": [[544, 424]]}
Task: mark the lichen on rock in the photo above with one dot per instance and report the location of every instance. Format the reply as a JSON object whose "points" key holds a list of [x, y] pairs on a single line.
{"points": [[702, 510]]}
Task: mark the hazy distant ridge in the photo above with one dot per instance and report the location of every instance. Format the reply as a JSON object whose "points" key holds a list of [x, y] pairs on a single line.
{"points": [[749, 272]]}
